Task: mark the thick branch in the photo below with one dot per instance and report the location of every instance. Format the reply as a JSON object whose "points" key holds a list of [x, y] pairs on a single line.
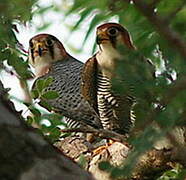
{"points": [[25, 154], [102, 133]]}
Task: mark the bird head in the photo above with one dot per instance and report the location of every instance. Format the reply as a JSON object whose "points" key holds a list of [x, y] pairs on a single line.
{"points": [[113, 34], [43, 50]]}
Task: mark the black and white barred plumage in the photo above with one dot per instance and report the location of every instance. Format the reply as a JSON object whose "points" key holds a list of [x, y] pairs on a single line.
{"points": [[110, 106], [115, 109]]}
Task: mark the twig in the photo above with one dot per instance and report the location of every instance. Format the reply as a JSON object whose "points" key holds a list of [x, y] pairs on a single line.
{"points": [[179, 8], [162, 26], [102, 133]]}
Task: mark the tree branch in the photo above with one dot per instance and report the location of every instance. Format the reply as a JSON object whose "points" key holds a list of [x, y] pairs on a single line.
{"points": [[102, 133], [25, 154], [162, 26]]}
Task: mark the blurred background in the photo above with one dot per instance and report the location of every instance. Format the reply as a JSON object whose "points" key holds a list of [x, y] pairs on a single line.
{"points": [[158, 30]]}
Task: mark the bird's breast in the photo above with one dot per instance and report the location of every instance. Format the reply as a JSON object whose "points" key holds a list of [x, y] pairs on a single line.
{"points": [[107, 61]]}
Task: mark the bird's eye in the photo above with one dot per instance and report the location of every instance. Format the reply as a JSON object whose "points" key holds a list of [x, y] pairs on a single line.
{"points": [[49, 42], [112, 31], [31, 44]]}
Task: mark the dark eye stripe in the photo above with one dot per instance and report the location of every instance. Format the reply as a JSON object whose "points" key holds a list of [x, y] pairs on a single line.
{"points": [[32, 54], [31, 44], [51, 50]]}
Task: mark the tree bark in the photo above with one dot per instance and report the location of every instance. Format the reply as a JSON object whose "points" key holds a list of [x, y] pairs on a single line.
{"points": [[150, 165], [26, 155]]}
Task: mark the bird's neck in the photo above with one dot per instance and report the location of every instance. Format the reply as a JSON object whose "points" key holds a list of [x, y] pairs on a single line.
{"points": [[42, 66], [107, 58]]}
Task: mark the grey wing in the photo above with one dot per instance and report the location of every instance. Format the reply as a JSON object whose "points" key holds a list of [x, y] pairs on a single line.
{"points": [[76, 108], [67, 82]]}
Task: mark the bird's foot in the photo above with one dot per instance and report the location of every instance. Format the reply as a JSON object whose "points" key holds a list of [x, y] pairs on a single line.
{"points": [[109, 143], [101, 148]]}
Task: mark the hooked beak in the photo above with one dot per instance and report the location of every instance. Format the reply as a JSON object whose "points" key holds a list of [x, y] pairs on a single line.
{"points": [[39, 48], [101, 38]]}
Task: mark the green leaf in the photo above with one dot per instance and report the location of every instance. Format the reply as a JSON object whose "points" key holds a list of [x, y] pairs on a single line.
{"points": [[82, 161], [40, 85], [35, 111], [105, 166], [48, 81], [50, 95], [44, 104], [54, 134], [37, 119], [45, 129], [34, 94], [55, 119], [30, 120]]}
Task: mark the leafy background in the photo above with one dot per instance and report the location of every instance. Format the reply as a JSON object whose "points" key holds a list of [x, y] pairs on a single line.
{"points": [[158, 31]]}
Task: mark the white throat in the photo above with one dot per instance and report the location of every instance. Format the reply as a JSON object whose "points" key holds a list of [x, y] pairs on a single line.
{"points": [[107, 57], [42, 66]]}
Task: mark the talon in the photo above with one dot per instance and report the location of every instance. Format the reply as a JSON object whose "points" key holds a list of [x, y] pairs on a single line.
{"points": [[99, 149], [103, 147]]}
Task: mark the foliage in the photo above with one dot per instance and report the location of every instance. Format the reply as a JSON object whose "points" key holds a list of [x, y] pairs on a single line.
{"points": [[13, 12], [176, 173], [48, 123], [158, 30], [154, 26]]}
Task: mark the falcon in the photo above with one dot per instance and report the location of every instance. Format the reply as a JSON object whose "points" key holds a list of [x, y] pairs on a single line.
{"points": [[115, 109], [49, 58]]}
